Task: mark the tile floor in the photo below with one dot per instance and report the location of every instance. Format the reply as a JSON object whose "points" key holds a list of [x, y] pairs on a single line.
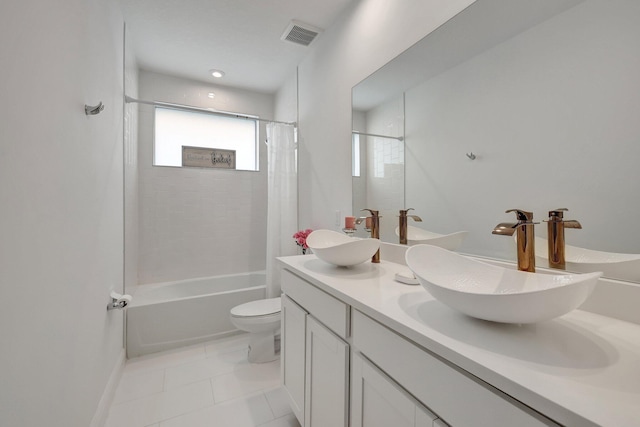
{"points": [[209, 384]]}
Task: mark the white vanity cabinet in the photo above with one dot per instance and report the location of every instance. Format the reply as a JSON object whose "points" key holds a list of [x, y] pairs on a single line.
{"points": [[377, 401], [315, 355], [292, 354], [363, 350], [455, 396]]}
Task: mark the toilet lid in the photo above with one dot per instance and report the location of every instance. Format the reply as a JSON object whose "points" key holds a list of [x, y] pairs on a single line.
{"points": [[260, 307]]}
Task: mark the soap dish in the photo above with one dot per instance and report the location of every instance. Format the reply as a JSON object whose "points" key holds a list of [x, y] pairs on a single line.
{"points": [[407, 278]]}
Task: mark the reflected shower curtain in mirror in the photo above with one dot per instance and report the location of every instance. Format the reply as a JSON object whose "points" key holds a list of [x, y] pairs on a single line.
{"points": [[282, 200]]}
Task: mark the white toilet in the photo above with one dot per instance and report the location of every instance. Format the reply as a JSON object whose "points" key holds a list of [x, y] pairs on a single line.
{"points": [[261, 319]]}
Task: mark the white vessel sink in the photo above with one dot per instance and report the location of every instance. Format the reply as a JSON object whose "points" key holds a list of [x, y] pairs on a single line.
{"points": [[611, 264], [496, 293], [416, 236], [340, 249]]}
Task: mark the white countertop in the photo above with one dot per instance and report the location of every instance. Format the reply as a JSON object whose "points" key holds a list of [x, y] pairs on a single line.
{"points": [[580, 369]]}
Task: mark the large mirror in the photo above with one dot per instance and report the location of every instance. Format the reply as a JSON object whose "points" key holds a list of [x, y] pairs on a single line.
{"points": [[521, 104], [378, 162]]}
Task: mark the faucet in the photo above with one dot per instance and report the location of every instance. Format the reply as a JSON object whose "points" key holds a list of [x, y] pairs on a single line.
{"points": [[375, 231], [403, 224], [524, 238], [555, 236]]}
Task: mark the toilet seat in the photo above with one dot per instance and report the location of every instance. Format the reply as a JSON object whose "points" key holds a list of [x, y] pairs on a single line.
{"points": [[263, 308]]}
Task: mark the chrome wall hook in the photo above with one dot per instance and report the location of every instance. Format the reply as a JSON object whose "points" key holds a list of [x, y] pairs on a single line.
{"points": [[90, 110], [471, 156]]}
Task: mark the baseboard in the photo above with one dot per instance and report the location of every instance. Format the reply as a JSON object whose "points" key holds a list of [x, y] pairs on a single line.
{"points": [[100, 416]]}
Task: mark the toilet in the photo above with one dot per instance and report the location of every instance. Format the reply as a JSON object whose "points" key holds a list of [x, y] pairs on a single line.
{"points": [[261, 319]]}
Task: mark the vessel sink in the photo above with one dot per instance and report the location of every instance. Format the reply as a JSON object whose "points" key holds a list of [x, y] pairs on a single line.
{"points": [[341, 250], [611, 264], [496, 293], [416, 236]]}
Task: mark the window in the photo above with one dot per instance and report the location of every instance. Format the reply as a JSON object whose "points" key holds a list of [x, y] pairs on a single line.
{"points": [[355, 154], [175, 128]]}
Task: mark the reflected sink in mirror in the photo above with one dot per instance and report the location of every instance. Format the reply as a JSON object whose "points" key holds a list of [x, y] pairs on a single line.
{"points": [[495, 293], [612, 265], [341, 250], [416, 235]]}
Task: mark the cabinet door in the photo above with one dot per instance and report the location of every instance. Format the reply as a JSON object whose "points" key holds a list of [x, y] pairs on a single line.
{"points": [[377, 401], [327, 403], [292, 355]]}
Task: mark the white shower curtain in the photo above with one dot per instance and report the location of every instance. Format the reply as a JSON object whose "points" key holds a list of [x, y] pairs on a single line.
{"points": [[282, 201]]}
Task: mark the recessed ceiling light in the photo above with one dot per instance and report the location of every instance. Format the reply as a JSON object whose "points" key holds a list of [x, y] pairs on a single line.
{"points": [[211, 95], [217, 73]]}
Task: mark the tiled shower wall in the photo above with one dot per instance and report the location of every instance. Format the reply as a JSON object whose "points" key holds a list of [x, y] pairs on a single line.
{"points": [[199, 222], [385, 164]]}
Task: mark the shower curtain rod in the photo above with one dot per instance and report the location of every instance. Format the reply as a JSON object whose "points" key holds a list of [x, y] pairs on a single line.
{"points": [[129, 99], [399, 138]]}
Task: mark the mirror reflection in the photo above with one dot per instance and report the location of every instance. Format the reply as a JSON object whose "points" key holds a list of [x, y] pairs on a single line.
{"points": [[528, 105], [378, 163]]}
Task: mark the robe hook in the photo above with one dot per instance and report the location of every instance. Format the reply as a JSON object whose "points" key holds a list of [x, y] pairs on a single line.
{"points": [[90, 110]]}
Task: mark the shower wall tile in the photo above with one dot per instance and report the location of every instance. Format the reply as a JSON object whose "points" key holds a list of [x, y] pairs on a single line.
{"points": [[199, 222]]}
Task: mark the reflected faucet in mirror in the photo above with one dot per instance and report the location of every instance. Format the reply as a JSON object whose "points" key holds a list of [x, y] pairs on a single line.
{"points": [[375, 231], [403, 224], [525, 239], [555, 236]]}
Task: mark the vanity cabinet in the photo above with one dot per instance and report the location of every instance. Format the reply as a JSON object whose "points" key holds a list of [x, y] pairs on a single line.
{"points": [[315, 354], [327, 377], [292, 354], [455, 396], [378, 401]]}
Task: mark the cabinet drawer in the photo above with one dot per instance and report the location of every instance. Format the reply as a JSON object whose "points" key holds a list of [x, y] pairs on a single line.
{"points": [[457, 397], [332, 312]]}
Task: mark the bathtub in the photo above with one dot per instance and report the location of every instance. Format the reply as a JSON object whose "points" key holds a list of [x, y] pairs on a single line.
{"points": [[174, 314]]}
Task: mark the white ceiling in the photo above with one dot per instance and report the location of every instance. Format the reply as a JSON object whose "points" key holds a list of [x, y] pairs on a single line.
{"points": [[187, 38]]}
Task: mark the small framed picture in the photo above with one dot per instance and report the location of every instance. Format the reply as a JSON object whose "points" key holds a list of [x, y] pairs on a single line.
{"points": [[200, 157]]}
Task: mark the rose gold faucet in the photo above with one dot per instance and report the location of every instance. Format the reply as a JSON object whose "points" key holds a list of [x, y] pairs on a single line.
{"points": [[403, 224], [524, 238], [555, 236], [375, 231]]}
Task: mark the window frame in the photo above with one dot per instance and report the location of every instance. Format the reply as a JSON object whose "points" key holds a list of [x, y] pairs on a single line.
{"points": [[195, 110]]}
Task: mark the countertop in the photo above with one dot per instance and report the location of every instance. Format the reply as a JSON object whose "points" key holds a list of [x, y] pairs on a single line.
{"points": [[581, 369]]}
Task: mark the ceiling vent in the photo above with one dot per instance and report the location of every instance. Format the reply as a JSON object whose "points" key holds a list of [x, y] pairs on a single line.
{"points": [[300, 33]]}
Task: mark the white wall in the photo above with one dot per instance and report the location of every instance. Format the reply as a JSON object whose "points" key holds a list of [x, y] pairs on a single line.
{"points": [[199, 222], [367, 35], [286, 100], [552, 115], [61, 198]]}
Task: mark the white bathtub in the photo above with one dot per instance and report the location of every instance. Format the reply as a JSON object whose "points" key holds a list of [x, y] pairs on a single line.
{"points": [[168, 315]]}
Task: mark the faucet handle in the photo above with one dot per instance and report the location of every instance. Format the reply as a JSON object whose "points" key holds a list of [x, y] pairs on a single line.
{"points": [[557, 214], [373, 212], [523, 216], [405, 211]]}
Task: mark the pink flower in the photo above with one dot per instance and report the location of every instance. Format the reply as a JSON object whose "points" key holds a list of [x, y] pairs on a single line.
{"points": [[301, 238]]}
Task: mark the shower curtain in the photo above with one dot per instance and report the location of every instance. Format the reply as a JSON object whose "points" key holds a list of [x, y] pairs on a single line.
{"points": [[282, 200]]}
